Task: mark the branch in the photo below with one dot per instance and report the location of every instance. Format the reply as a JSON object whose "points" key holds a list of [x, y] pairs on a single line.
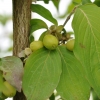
{"points": [[69, 16]]}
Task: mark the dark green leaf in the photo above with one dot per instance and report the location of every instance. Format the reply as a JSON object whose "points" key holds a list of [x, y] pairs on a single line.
{"points": [[56, 3], [31, 38], [52, 97], [37, 24], [42, 35], [2, 96], [87, 42], [42, 74], [72, 85], [44, 13], [12, 68], [97, 2], [94, 95], [46, 1]]}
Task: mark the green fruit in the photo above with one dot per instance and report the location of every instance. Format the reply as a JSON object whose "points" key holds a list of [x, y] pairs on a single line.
{"points": [[10, 91], [50, 42], [35, 45], [70, 44]]}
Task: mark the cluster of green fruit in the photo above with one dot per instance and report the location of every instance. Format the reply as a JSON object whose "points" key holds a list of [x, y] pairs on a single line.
{"points": [[6, 89], [51, 39]]}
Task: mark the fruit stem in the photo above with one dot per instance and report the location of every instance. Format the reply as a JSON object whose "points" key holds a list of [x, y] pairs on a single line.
{"points": [[69, 16]]}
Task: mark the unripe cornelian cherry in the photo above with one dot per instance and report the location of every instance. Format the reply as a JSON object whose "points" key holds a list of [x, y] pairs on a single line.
{"points": [[35, 45], [50, 42], [70, 44]]}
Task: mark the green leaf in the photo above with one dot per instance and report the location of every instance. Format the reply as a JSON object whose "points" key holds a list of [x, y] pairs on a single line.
{"points": [[94, 95], [2, 96], [56, 3], [37, 24], [97, 2], [2, 86], [42, 74], [43, 34], [72, 85], [86, 26], [86, 1], [46, 1], [52, 97], [31, 38], [12, 68], [44, 13], [76, 2]]}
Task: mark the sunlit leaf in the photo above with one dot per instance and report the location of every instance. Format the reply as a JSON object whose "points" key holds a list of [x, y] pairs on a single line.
{"points": [[72, 85], [87, 42], [12, 68], [42, 74], [86, 1], [76, 2], [43, 12]]}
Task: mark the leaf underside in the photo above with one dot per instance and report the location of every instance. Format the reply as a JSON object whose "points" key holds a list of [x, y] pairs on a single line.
{"points": [[12, 68], [87, 42], [72, 85]]}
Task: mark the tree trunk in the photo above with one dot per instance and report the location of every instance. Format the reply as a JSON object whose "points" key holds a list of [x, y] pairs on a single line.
{"points": [[21, 27]]}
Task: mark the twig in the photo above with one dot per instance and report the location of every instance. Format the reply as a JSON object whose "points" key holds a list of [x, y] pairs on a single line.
{"points": [[69, 16]]}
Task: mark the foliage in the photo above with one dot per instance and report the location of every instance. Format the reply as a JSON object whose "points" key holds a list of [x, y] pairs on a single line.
{"points": [[72, 73]]}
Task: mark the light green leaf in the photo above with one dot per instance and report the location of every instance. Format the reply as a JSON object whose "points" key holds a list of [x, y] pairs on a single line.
{"points": [[37, 24], [42, 74], [86, 25], [2, 86], [77, 2], [86, 1], [72, 85], [12, 68], [44, 13]]}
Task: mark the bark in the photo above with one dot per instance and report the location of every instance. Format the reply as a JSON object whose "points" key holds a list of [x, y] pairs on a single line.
{"points": [[21, 27]]}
